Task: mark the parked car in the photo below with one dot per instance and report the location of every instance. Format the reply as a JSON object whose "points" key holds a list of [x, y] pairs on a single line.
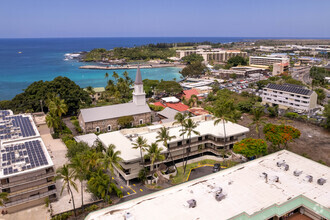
{"points": [[216, 167]]}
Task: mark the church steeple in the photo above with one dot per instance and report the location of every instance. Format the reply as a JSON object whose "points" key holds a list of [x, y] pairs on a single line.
{"points": [[139, 96]]}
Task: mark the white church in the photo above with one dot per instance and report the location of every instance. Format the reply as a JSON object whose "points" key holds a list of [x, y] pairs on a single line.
{"points": [[105, 118]]}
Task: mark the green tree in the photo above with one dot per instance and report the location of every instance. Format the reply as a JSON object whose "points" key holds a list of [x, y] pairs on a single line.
{"points": [[67, 174], [320, 95], [237, 60], [141, 144], [154, 153], [250, 147], [326, 114], [189, 127], [193, 70], [257, 120], [106, 76], [125, 121], [170, 87], [76, 148], [111, 159], [53, 121], [192, 58], [98, 146], [99, 184], [80, 172], [180, 119], [163, 135], [3, 198]]}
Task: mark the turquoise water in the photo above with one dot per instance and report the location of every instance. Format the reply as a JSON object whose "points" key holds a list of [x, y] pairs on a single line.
{"points": [[43, 59]]}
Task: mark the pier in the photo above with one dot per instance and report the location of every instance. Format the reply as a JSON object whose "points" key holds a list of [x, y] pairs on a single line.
{"points": [[129, 66]]}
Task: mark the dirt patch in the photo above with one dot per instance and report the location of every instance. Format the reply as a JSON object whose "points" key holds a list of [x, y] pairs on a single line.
{"points": [[313, 143]]}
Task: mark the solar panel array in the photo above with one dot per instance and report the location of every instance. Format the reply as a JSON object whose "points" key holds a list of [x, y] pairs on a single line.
{"points": [[289, 88], [4, 113], [22, 156], [12, 127]]}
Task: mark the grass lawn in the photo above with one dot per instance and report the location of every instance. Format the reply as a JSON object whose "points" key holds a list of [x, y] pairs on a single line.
{"points": [[182, 177]]}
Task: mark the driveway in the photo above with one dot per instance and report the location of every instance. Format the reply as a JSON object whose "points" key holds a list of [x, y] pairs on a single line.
{"points": [[200, 172]]}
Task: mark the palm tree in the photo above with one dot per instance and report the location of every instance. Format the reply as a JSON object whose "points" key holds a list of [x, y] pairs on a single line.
{"points": [[53, 121], [80, 167], [257, 119], [154, 154], [3, 198], [106, 76], [92, 158], [180, 119], [141, 143], [224, 112], [98, 146], [90, 90], [189, 128], [68, 175], [99, 184], [116, 76], [164, 136], [58, 107], [111, 159]]}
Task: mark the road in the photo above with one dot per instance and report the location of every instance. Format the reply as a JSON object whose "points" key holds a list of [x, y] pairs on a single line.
{"points": [[301, 74]]}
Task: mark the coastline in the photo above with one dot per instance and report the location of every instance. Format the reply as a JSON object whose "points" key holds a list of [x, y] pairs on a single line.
{"points": [[96, 67]]}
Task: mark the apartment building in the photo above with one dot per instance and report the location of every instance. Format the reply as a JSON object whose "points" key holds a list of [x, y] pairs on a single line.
{"points": [[217, 55], [268, 60], [279, 186], [280, 68], [210, 141], [289, 96], [26, 169]]}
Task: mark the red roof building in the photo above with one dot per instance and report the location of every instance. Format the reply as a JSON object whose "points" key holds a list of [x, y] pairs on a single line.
{"points": [[188, 93], [159, 104], [178, 106]]}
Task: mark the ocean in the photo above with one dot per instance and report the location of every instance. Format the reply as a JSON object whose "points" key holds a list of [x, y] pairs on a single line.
{"points": [[24, 61]]}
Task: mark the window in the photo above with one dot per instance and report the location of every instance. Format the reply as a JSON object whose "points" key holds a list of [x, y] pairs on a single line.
{"points": [[109, 127], [141, 121], [200, 138], [98, 129]]}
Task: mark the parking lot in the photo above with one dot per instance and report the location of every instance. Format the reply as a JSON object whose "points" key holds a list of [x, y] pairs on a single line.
{"points": [[201, 171]]}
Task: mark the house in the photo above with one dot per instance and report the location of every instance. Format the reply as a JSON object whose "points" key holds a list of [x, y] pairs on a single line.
{"points": [[98, 93], [105, 118], [167, 115]]}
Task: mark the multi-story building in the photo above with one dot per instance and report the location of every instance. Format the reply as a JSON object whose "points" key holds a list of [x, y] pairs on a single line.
{"points": [[280, 68], [289, 96], [105, 118], [217, 55], [26, 169], [211, 140], [268, 60], [279, 186]]}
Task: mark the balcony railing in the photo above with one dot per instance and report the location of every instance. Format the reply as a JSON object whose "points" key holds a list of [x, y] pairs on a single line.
{"points": [[27, 180], [31, 198], [31, 189]]}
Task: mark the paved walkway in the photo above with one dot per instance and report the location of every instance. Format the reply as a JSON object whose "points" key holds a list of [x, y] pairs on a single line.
{"points": [[38, 212], [69, 124], [57, 151]]}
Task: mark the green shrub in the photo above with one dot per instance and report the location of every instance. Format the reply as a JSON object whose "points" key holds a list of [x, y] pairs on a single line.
{"points": [[55, 135], [291, 115], [63, 216], [66, 138], [66, 130], [92, 208], [156, 107], [118, 192], [73, 117]]}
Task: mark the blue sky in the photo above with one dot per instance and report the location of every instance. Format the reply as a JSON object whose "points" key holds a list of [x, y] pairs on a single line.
{"points": [[166, 18]]}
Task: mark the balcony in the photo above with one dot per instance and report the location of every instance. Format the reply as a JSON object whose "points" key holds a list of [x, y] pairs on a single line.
{"points": [[28, 179], [31, 198], [31, 189]]}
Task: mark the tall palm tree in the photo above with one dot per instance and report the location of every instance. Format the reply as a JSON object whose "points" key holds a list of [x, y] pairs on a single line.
{"points": [[79, 165], [68, 175], [98, 146], [180, 119], [99, 184], [257, 119], [154, 154], [189, 128], [92, 158], [116, 76], [111, 159], [58, 107], [141, 143], [3, 198], [53, 121], [106, 76], [90, 90], [224, 113], [164, 136]]}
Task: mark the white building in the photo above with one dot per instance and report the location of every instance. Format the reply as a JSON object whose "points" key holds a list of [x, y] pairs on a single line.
{"points": [[268, 60], [289, 96], [26, 169], [217, 55], [209, 141], [273, 187]]}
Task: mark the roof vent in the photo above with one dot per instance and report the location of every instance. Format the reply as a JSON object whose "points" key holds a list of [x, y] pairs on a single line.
{"points": [[297, 172], [309, 178], [276, 179], [129, 216], [286, 167], [280, 163], [219, 196], [192, 203], [321, 181], [265, 175]]}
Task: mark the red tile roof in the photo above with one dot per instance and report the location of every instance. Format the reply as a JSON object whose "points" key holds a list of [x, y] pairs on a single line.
{"points": [[178, 106], [188, 93], [159, 104]]}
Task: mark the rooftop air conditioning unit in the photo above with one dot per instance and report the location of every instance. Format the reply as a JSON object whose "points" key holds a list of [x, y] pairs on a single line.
{"points": [[309, 178], [192, 203], [321, 181], [286, 167], [280, 163], [128, 216], [297, 173], [219, 196]]}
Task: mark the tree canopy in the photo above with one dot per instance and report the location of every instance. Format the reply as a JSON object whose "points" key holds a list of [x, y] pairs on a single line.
{"points": [[280, 135], [66, 89], [237, 60], [192, 58], [194, 69], [250, 147]]}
